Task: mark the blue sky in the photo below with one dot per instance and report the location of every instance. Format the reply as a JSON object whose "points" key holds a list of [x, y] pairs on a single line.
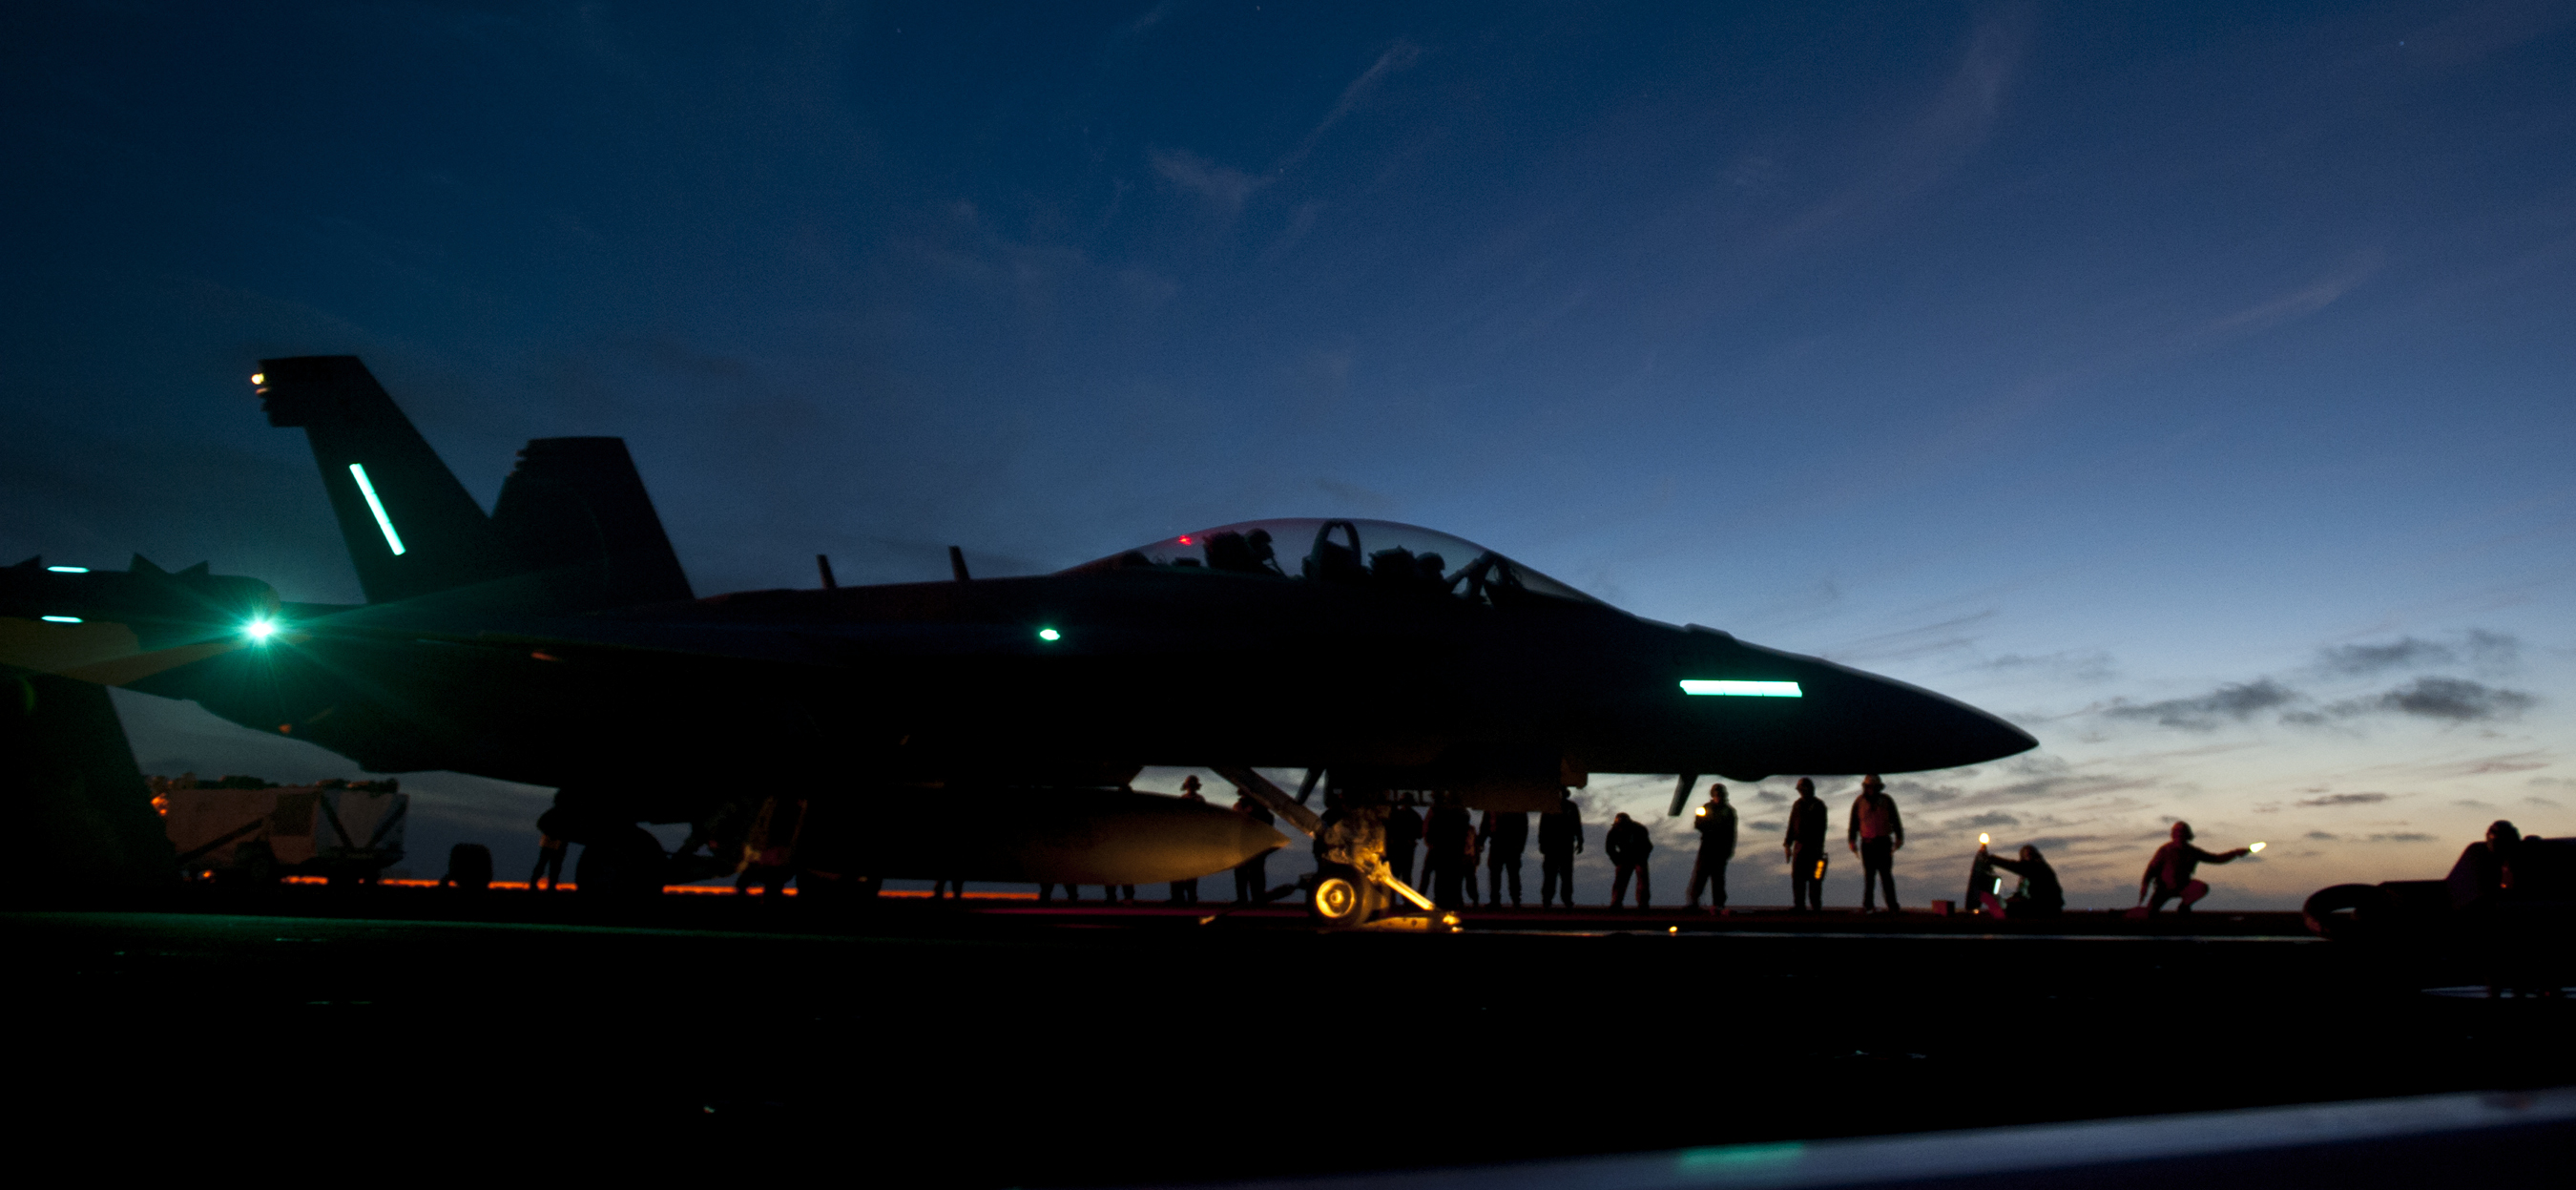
{"points": [[2189, 382]]}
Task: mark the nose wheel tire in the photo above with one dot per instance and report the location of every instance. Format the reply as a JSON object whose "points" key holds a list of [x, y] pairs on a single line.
{"points": [[1339, 902], [1345, 899]]}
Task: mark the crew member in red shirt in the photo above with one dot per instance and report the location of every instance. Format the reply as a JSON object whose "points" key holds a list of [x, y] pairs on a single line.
{"points": [[2169, 873]]}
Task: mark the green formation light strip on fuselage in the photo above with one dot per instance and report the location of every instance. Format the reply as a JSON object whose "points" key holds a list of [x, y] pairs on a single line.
{"points": [[1742, 689], [386, 523]]}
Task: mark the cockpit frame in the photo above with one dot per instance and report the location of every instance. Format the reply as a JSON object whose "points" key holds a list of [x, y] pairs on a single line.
{"points": [[1408, 561]]}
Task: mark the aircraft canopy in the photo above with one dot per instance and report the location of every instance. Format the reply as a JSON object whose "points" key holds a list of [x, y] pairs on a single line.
{"points": [[1382, 554]]}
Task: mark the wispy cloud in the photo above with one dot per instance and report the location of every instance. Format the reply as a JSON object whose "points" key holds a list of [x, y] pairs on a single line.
{"points": [[2477, 646], [2371, 659], [1397, 57], [1146, 22], [2298, 303], [2073, 666], [1225, 187], [1908, 643], [2344, 799], [2455, 700], [2235, 702], [1944, 132]]}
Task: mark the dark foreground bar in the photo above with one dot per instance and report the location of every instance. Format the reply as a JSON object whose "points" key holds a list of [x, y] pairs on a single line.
{"points": [[932, 1046], [2485, 1140]]}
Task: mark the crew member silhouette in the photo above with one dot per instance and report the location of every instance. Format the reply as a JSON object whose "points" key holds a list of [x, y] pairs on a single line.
{"points": [[2484, 871], [2169, 873], [550, 857], [1469, 851], [1447, 832], [1876, 832], [1560, 839], [2038, 894], [1403, 830], [1252, 876], [1716, 827], [1505, 835], [1805, 847], [1186, 892], [1628, 844]]}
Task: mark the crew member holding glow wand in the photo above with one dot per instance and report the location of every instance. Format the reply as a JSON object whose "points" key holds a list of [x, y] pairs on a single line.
{"points": [[2169, 874], [2039, 894]]}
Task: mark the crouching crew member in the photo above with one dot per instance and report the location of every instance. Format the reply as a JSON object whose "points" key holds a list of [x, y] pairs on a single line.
{"points": [[2169, 873], [2038, 895]]}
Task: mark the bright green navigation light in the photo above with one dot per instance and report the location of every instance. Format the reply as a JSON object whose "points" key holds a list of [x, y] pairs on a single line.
{"points": [[60, 619], [1049, 634], [1742, 689], [377, 507], [259, 631], [69, 569]]}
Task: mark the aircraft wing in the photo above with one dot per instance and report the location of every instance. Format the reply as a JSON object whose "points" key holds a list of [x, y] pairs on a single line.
{"points": [[118, 627]]}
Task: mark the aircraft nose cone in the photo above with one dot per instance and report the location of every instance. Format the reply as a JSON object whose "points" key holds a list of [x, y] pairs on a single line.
{"points": [[1894, 727], [1848, 721], [1951, 734]]}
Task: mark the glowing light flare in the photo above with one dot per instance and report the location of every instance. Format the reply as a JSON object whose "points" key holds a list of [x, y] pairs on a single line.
{"points": [[1185, 540], [2257, 847], [1983, 838], [259, 631], [1049, 635], [60, 619], [1703, 811], [367, 488], [69, 569], [259, 378], [1738, 689]]}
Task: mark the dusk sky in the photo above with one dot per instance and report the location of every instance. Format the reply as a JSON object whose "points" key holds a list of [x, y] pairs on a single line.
{"points": [[2190, 384]]}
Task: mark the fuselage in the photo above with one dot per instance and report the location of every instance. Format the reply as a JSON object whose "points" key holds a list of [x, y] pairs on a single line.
{"points": [[1061, 678]]}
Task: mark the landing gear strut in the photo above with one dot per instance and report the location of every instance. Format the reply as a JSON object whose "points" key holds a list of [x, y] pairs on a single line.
{"points": [[1354, 884]]}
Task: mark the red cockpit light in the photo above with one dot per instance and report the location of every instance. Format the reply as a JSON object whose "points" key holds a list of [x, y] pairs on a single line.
{"points": [[1186, 541]]}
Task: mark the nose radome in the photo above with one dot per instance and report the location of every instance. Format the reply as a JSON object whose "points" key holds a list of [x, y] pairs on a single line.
{"points": [[1980, 736], [1847, 720], [1919, 730]]}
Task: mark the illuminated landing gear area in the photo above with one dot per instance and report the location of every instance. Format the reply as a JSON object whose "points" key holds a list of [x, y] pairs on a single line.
{"points": [[999, 1044]]}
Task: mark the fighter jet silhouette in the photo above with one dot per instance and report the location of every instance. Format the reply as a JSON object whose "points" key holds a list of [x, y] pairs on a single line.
{"points": [[974, 728]]}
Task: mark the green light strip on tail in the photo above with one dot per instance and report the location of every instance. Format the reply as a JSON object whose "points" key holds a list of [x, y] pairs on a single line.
{"points": [[376, 506]]}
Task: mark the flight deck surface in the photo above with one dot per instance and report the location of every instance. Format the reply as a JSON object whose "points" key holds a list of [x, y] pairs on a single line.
{"points": [[1000, 1043]]}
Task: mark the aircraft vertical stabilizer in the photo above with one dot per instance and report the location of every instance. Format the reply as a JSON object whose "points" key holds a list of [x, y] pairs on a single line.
{"points": [[575, 510], [410, 526]]}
